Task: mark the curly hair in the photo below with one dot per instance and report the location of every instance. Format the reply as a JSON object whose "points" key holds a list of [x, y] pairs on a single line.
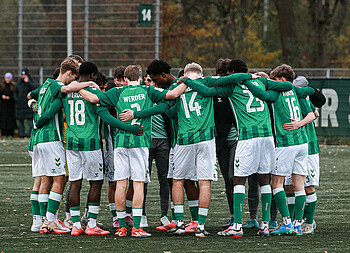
{"points": [[101, 79], [157, 67], [221, 66]]}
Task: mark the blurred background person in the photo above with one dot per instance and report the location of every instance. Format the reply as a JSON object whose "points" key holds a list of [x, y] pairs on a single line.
{"points": [[7, 111], [24, 85]]}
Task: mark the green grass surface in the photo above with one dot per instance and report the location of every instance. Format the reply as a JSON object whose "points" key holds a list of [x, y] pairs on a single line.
{"points": [[332, 215]]}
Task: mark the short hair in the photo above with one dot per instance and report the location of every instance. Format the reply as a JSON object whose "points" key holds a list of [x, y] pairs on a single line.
{"points": [[193, 67], [157, 67], [88, 68], [69, 64], [119, 72], [56, 73], [76, 57], [133, 72], [221, 66], [237, 66], [101, 79], [283, 70], [262, 74]]}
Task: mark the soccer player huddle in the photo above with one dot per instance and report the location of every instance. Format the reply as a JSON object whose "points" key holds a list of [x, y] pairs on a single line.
{"points": [[259, 127]]}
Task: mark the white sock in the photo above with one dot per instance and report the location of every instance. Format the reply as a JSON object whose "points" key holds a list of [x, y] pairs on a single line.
{"points": [[68, 216], [92, 223], [287, 220], [77, 225]]}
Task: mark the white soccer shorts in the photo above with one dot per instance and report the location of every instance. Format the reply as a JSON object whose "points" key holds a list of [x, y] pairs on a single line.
{"points": [[50, 158], [131, 163], [255, 155], [85, 164], [171, 163], [291, 160], [313, 169], [35, 171], [195, 161]]}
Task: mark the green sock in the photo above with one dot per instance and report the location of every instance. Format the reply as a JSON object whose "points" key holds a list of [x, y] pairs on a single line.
{"points": [[52, 205], [128, 206], [291, 204], [121, 218], [94, 208], [35, 203], [202, 214], [43, 198], [179, 212], [238, 200], [75, 213], [163, 214], [136, 215], [113, 209], [281, 201], [193, 205], [311, 200], [266, 196], [300, 200], [172, 211]]}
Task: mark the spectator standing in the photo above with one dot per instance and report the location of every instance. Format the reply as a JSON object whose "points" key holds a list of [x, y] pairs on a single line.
{"points": [[24, 85], [7, 113]]}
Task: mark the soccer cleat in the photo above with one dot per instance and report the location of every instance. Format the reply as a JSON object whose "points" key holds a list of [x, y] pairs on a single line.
{"points": [[144, 223], [121, 232], [251, 224], [230, 223], [263, 232], [231, 232], [285, 229], [307, 229], [297, 230], [77, 231], [50, 227], [61, 225], [35, 228], [164, 220], [201, 233], [68, 223], [314, 224], [178, 229], [191, 228], [129, 221], [116, 223], [95, 231], [273, 225], [139, 233], [166, 227]]}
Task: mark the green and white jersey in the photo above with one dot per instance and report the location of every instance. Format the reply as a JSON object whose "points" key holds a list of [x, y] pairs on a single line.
{"points": [[52, 131], [136, 98], [287, 106], [31, 141], [314, 146], [82, 121], [158, 127]]}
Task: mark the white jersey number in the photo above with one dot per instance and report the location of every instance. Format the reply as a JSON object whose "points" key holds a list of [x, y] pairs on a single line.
{"points": [[77, 112], [138, 108], [250, 101], [194, 106], [293, 109]]}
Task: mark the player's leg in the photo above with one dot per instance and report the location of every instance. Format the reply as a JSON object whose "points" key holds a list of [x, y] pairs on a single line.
{"points": [[178, 199], [43, 197], [74, 200], [34, 200], [68, 220], [288, 188], [129, 194], [253, 201], [111, 203], [121, 186], [192, 194], [266, 195], [203, 205]]}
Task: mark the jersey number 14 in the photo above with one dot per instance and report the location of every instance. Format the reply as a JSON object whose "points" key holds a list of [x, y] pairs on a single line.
{"points": [[193, 106]]}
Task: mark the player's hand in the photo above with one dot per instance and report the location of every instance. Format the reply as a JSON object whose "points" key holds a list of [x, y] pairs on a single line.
{"points": [[291, 126], [94, 85], [126, 115], [181, 79], [255, 76], [140, 131]]}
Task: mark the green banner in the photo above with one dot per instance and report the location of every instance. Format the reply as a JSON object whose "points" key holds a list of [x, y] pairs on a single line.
{"points": [[146, 14], [334, 117]]}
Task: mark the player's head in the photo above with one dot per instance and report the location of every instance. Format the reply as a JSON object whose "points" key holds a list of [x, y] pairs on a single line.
{"points": [[118, 75], [159, 71], [193, 68], [76, 57], [148, 81], [221, 67], [133, 73], [68, 70], [88, 71], [283, 72], [101, 81], [262, 74], [300, 81], [237, 66], [56, 73]]}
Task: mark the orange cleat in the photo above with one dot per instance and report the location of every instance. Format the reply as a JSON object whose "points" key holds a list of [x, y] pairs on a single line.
{"points": [[139, 233], [121, 232], [96, 231], [166, 227], [191, 228], [77, 231]]}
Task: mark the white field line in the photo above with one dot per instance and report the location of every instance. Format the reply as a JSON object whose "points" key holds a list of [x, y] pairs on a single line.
{"points": [[15, 164]]}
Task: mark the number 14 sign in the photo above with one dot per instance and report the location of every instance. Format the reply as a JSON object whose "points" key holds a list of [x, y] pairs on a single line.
{"points": [[146, 14]]}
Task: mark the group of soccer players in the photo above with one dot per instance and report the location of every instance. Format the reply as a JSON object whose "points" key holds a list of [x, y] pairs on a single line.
{"points": [[264, 128]]}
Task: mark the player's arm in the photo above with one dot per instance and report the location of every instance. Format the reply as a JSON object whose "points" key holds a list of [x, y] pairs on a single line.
{"points": [[174, 93], [76, 86], [317, 99], [157, 109], [313, 108], [88, 96], [172, 112], [265, 95], [45, 118], [303, 92], [219, 91], [212, 81], [34, 94], [305, 110], [276, 85], [113, 122]]}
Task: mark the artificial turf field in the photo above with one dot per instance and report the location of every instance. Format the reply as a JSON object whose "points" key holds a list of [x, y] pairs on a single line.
{"points": [[332, 215]]}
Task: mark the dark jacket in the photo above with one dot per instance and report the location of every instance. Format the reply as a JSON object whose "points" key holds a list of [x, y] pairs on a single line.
{"points": [[20, 94], [7, 111]]}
